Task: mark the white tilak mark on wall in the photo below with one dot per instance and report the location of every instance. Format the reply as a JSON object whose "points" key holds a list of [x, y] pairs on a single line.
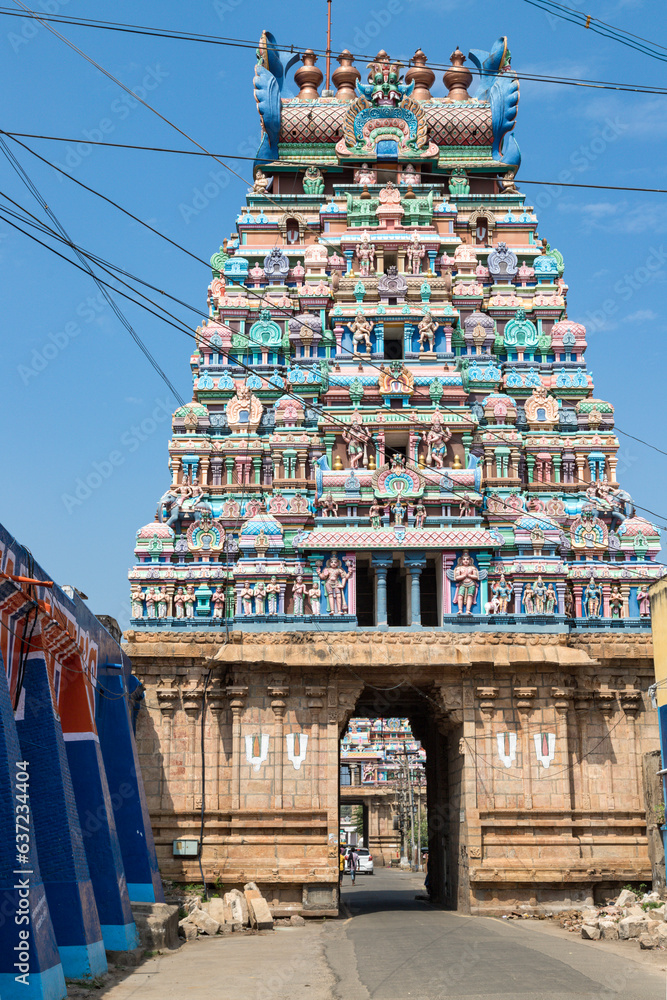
{"points": [[506, 748], [545, 747], [296, 748], [257, 759]]}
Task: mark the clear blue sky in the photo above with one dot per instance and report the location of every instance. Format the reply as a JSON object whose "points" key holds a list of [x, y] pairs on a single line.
{"points": [[95, 395]]}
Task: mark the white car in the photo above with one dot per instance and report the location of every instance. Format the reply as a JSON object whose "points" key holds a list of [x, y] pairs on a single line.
{"points": [[365, 862]]}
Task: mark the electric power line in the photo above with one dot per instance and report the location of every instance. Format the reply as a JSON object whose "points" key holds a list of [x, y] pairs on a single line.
{"points": [[246, 43], [232, 156]]}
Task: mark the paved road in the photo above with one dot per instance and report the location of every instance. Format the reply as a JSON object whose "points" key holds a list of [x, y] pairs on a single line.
{"points": [[392, 947]]}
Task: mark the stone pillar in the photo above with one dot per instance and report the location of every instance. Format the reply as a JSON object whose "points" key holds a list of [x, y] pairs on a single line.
{"points": [[167, 697], [315, 695], [607, 704], [350, 560], [278, 692], [192, 699], [415, 563], [582, 707], [524, 703], [381, 564], [486, 697], [561, 697], [448, 559], [237, 694], [484, 561], [216, 701], [631, 701]]}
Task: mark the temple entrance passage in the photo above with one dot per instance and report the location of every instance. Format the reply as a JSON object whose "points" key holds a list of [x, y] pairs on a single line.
{"points": [[394, 806]]}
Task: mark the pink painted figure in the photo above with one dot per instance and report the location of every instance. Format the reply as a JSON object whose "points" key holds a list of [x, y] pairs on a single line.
{"points": [[218, 602], [298, 593], [375, 513], [427, 327], [644, 602], [161, 602], [357, 439], [179, 603], [246, 598], [466, 578], [328, 505], [415, 253], [365, 252], [436, 439], [528, 600], [335, 578], [361, 331]]}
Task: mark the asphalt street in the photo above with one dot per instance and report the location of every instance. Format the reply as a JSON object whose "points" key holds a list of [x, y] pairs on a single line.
{"points": [[392, 946]]}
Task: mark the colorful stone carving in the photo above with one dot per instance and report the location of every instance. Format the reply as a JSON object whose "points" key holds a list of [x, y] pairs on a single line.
{"points": [[415, 359]]}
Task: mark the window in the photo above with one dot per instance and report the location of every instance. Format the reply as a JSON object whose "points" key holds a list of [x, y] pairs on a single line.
{"points": [[292, 234], [345, 774]]}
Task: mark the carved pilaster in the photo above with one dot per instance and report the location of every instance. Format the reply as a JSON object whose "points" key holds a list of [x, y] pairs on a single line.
{"points": [[278, 692], [486, 697], [237, 694]]}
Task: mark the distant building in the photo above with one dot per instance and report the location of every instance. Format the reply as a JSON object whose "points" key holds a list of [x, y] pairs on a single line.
{"points": [[77, 846], [376, 757]]}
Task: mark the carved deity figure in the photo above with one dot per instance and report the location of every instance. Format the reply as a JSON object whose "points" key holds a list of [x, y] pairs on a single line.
{"points": [[528, 601], [357, 439], [246, 598], [399, 510], [218, 602], [150, 602], [593, 598], [313, 181], [335, 578], [374, 513], [468, 505], [298, 593], [420, 514], [272, 590], [365, 252], [551, 600], [436, 439], [503, 592], [179, 603], [415, 253], [259, 593], [569, 603], [361, 331], [539, 595], [364, 175], [616, 602], [466, 578], [427, 327], [328, 505], [137, 599], [458, 182], [314, 599], [644, 602], [161, 602], [190, 600], [261, 182]]}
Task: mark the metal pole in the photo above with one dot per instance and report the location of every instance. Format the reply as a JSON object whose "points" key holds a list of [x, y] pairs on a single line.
{"points": [[412, 807], [328, 44]]}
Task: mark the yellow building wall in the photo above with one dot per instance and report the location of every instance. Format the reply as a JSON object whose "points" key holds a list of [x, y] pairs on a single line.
{"points": [[658, 594]]}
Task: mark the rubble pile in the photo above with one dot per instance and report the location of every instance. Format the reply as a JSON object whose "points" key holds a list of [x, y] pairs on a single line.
{"points": [[633, 915], [234, 911]]}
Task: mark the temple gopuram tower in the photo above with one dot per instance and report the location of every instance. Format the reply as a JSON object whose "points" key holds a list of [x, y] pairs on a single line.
{"points": [[394, 494]]}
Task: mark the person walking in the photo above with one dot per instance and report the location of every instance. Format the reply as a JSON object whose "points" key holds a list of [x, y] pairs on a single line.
{"points": [[341, 865], [354, 864]]}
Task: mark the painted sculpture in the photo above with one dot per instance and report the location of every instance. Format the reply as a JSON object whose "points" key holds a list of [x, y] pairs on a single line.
{"points": [[388, 378]]}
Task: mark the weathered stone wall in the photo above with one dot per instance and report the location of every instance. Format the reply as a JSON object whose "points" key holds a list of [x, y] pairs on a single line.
{"points": [[564, 817]]}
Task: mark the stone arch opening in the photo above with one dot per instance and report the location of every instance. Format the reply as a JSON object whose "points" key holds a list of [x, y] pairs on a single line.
{"points": [[378, 755]]}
